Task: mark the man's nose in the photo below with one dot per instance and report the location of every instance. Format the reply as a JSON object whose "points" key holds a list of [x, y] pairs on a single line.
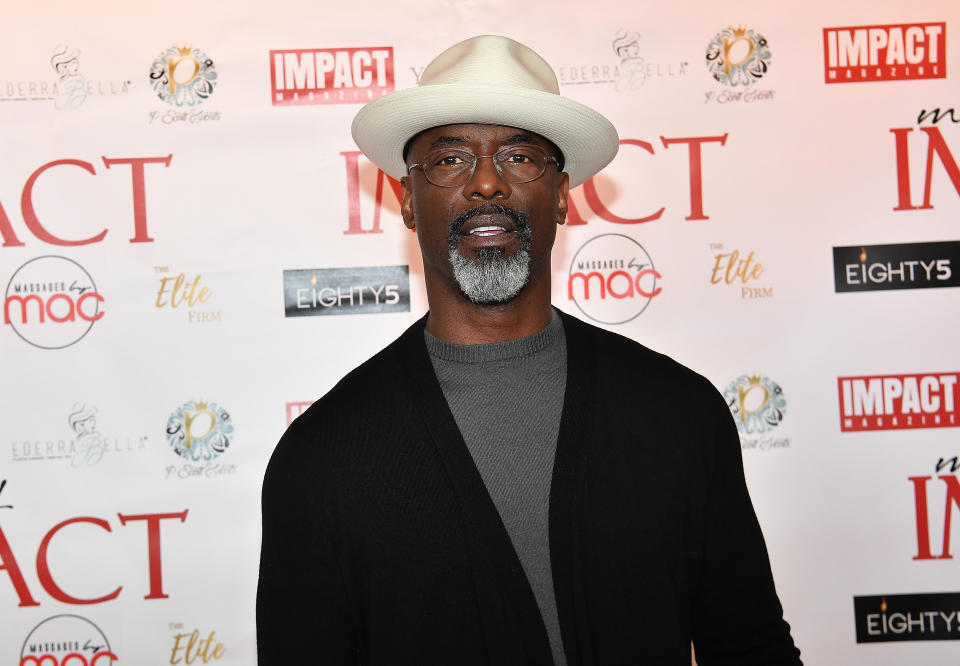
{"points": [[486, 182]]}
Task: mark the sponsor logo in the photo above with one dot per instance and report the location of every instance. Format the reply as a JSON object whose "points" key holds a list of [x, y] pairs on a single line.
{"points": [[54, 584], [200, 432], [67, 640], [758, 407], [68, 90], [951, 497], [612, 279], [181, 290], [893, 52], [183, 76], [907, 617], [52, 302], [735, 57], [628, 69], [741, 270], [330, 76], [189, 648], [336, 291], [85, 447], [899, 402], [295, 409], [903, 266]]}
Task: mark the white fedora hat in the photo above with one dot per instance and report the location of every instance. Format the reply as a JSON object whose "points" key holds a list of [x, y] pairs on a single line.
{"points": [[488, 80]]}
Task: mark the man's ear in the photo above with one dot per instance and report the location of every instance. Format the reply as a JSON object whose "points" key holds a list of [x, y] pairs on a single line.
{"points": [[563, 191], [406, 203]]}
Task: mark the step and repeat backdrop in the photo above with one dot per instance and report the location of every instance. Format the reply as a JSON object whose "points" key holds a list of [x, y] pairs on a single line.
{"points": [[192, 250]]}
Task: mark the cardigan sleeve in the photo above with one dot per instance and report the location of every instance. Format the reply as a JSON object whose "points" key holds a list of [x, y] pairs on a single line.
{"points": [[737, 616], [303, 615]]}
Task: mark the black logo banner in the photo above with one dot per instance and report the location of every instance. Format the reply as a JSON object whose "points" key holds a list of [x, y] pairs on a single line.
{"points": [[902, 266], [908, 617]]}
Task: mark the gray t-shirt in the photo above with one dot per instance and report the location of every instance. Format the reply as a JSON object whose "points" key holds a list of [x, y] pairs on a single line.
{"points": [[506, 398]]}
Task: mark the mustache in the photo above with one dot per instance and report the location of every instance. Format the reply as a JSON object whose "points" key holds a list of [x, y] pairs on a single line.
{"points": [[519, 219]]}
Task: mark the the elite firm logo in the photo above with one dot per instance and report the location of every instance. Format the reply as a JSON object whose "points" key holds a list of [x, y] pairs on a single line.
{"points": [[52, 302], [907, 617], [336, 291], [67, 640], [740, 270], [898, 266], [612, 279], [330, 76], [893, 52], [899, 402]]}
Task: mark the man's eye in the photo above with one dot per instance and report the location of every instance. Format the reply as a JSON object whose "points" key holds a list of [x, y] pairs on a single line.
{"points": [[449, 160]]}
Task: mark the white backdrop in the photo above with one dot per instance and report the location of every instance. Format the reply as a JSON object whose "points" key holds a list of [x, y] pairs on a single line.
{"points": [[241, 186]]}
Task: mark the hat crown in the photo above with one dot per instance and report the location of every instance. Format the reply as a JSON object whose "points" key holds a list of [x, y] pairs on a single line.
{"points": [[491, 60]]}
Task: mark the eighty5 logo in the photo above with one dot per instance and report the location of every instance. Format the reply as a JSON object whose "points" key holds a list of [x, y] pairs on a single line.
{"points": [[612, 279], [183, 76], [899, 402], [52, 302], [885, 52], [907, 617], [66, 640], [904, 266], [330, 76], [335, 291]]}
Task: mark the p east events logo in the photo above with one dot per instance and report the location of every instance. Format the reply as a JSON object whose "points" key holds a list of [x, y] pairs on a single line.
{"points": [[200, 432]]}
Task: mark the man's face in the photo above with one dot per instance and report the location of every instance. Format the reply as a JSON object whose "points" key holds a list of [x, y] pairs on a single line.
{"points": [[487, 236]]}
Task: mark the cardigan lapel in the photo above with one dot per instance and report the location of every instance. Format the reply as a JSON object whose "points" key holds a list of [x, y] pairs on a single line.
{"points": [[513, 628], [567, 494]]}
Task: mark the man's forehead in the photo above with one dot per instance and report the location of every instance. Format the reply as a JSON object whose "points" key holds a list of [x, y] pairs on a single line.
{"points": [[461, 134]]}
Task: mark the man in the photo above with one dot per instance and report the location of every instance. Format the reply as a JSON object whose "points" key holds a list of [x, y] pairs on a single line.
{"points": [[512, 494]]}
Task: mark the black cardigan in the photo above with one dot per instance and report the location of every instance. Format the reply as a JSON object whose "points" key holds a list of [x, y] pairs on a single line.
{"points": [[382, 546]]}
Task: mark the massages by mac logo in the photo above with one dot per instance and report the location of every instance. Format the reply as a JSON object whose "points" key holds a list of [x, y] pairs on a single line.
{"points": [[84, 446], [758, 407], [612, 279], [51, 302], [67, 640], [738, 57], [183, 76]]}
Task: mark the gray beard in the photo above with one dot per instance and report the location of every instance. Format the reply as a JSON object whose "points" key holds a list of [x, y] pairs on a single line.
{"points": [[493, 279]]}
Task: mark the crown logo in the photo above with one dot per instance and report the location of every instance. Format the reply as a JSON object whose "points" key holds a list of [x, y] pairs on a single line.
{"points": [[201, 405], [754, 380], [184, 50], [740, 31]]}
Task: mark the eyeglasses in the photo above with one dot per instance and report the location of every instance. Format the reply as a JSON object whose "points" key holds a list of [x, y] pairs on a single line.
{"points": [[449, 167]]}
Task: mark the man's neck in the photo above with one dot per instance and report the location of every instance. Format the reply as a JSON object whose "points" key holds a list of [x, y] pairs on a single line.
{"points": [[458, 320]]}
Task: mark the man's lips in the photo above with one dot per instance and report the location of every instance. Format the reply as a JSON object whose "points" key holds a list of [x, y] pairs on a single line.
{"points": [[486, 225]]}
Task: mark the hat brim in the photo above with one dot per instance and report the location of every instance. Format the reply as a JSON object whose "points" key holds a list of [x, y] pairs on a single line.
{"points": [[382, 128]]}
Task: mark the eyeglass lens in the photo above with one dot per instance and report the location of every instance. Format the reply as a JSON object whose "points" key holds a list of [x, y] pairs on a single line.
{"points": [[517, 164]]}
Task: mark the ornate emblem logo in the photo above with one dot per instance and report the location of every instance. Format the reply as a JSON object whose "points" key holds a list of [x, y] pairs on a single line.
{"points": [[183, 76], [199, 431], [738, 56], [757, 403]]}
